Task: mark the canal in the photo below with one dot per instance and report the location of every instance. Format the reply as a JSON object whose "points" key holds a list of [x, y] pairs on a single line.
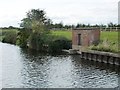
{"points": [[29, 69]]}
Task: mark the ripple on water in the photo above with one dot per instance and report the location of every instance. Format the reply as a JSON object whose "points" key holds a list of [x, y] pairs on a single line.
{"points": [[23, 68]]}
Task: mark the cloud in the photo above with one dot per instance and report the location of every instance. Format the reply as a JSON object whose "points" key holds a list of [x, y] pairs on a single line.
{"points": [[67, 11]]}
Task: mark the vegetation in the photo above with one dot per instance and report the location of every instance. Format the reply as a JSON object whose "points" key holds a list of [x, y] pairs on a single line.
{"points": [[109, 42], [34, 30], [36, 33], [8, 35], [63, 33], [58, 44], [22, 37], [109, 36]]}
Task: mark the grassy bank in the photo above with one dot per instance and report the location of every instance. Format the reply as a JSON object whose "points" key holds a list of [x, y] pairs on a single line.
{"points": [[105, 35], [110, 36], [109, 40], [66, 34], [8, 34]]}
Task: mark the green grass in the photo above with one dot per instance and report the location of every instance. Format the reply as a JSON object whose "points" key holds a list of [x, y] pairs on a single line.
{"points": [[66, 34], [105, 35], [109, 42], [109, 36], [5, 32]]}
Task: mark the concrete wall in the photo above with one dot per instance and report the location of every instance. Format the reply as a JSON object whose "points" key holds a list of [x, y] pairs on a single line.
{"points": [[88, 37]]}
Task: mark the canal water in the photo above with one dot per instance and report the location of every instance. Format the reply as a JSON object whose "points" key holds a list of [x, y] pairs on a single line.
{"points": [[30, 69]]}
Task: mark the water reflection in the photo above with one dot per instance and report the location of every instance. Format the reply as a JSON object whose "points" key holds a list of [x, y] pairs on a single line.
{"points": [[47, 71], [31, 69], [95, 74]]}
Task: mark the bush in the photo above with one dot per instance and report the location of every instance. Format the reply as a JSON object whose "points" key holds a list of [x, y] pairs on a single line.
{"points": [[22, 37], [56, 46], [106, 46], [35, 41], [10, 37]]}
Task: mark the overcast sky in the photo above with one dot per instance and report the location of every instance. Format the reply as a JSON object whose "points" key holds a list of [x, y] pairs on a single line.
{"points": [[66, 11]]}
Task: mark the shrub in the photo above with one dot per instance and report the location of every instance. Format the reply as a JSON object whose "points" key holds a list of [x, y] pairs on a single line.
{"points": [[35, 41], [56, 46], [10, 37], [106, 46], [22, 37]]}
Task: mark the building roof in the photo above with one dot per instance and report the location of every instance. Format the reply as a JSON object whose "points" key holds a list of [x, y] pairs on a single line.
{"points": [[86, 29]]}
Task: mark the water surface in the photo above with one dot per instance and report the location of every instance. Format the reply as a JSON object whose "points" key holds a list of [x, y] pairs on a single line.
{"points": [[30, 69]]}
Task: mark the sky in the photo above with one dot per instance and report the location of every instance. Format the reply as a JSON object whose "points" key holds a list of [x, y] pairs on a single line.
{"points": [[65, 11]]}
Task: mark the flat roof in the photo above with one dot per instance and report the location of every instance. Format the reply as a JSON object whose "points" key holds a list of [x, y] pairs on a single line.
{"points": [[86, 28]]}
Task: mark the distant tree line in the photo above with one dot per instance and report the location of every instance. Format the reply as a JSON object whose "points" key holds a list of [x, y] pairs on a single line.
{"points": [[10, 27], [58, 26], [61, 26]]}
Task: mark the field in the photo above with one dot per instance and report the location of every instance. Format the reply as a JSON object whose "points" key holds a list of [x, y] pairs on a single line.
{"points": [[105, 35], [110, 36], [5, 32], [109, 40], [66, 34]]}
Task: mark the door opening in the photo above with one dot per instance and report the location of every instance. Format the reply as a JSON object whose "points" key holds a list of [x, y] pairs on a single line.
{"points": [[79, 39]]}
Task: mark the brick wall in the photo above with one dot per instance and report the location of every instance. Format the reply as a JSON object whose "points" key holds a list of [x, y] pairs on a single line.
{"points": [[88, 37]]}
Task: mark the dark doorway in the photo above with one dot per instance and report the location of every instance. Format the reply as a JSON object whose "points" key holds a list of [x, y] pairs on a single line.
{"points": [[79, 39]]}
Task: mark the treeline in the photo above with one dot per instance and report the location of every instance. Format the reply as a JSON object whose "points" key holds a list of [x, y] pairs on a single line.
{"points": [[10, 27], [61, 26]]}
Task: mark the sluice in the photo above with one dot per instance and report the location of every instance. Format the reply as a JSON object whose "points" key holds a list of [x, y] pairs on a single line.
{"points": [[117, 61], [103, 57], [111, 60]]}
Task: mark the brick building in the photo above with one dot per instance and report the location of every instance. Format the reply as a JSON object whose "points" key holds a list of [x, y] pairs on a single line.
{"points": [[82, 38]]}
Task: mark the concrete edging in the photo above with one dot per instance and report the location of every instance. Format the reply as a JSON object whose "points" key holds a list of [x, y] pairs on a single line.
{"points": [[105, 57]]}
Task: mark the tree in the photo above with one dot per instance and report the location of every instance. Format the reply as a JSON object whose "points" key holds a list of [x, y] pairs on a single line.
{"points": [[49, 24], [110, 24], [78, 25], [26, 23], [67, 26], [35, 18], [37, 25]]}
